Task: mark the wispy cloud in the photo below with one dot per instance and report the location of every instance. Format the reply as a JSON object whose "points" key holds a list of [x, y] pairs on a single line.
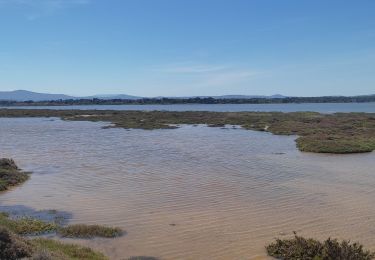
{"points": [[206, 75], [38, 8], [229, 78], [185, 68]]}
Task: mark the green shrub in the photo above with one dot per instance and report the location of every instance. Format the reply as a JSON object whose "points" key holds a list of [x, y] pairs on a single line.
{"points": [[299, 248], [13, 246], [26, 225], [62, 251], [89, 231], [332, 249], [10, 174], [6, 163]]}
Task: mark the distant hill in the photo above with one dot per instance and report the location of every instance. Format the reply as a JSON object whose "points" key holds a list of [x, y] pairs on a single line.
{"points": [[120, 96], [24, 95], [228, 97], [247, 96]]}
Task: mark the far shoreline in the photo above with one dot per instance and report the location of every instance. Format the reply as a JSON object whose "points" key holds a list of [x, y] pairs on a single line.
{"points": [[27, 100], [324, 108], [339, 133]]}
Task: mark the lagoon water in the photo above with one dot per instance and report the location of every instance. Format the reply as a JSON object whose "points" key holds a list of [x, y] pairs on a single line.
{"points": [[316, 107], [192, 192]]}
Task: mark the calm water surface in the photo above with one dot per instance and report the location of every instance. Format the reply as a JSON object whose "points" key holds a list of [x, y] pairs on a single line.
{"points": [[316, 107], [192, 192]]}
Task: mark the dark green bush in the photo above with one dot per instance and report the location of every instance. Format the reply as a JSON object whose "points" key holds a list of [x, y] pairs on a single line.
{"points": [[12, 246], [89, 231], [332, 249], [26, 225], [10, 174], [299, 248]]}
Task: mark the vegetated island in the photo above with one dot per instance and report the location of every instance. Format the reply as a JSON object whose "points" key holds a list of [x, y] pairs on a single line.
{"points": [[338, 133], [192, 100]]}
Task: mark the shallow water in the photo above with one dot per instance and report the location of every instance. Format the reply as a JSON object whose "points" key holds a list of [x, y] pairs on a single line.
{"points": [[192, 192], [292, 107]]}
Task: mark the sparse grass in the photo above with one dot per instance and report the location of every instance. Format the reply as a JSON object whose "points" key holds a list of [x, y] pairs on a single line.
{"points": [[319, 133], [43, 254], [13, 246], [10, 174], [26, 225], [299, 248], [33, 226], [89, 231], [65, 251]]}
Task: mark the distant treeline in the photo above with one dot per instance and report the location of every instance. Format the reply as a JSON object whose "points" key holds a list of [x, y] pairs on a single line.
{"points": [[196, 100]]}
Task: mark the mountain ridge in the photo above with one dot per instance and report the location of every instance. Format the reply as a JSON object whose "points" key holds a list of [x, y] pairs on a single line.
{"points": [[25, 95]]}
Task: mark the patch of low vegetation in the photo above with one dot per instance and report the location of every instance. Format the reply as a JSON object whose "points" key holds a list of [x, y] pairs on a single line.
{"points": [[89, 231], [63, 251], [26, 225], [10, 174], [32, 226], [13, 246], [319, 133], [299, 248], [43, 254]]}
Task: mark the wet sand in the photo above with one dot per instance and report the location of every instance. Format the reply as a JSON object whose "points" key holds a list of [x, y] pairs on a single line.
{"points": [[189, 193]]}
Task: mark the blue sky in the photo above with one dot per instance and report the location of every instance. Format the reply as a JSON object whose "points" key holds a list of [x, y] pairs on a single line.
{"points": [[188, 47]]}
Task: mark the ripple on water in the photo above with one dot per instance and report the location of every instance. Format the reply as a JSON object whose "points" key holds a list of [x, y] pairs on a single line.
{"points": [[192, 192]]}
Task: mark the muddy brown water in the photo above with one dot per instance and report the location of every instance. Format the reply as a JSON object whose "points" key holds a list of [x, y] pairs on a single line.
{"points": [[189, 193]]}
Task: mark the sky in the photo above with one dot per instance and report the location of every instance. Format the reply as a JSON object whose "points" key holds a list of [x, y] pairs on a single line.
{"points": [[188, 47]]}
